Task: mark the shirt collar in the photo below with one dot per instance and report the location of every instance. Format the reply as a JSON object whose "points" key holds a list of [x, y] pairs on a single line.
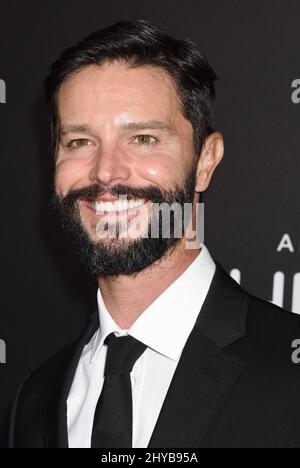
{"points": [[166, 324]]}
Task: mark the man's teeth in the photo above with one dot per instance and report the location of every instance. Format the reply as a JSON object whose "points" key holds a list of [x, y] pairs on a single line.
{"points": [[118, 205]]}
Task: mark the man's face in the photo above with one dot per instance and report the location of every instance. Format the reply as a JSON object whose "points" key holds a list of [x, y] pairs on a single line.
{"points": [[121, 132]]}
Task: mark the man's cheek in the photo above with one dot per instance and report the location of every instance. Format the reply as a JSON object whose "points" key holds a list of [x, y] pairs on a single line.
{"points": [[69, 175], [157, 170]]}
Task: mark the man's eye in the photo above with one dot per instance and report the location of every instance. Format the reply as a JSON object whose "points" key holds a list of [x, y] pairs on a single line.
{"points": [[78, 143], [145, 140]]}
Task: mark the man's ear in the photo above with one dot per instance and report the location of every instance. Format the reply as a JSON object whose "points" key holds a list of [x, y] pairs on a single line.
{"points": [[211, 155]]}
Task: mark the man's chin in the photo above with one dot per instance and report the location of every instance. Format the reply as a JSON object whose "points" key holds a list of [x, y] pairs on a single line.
{"points": [[114, 257]]}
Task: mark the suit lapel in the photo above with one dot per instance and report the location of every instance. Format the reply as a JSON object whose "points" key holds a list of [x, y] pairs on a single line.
{"points": [[56, 411], [205, 373], [202, 379]]}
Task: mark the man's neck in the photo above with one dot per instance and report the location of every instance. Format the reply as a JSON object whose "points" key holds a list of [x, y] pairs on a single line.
{"points": [[126, 297]]}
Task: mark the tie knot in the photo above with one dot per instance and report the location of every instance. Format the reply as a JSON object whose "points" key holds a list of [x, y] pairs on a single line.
{"points": [[122, 353]]}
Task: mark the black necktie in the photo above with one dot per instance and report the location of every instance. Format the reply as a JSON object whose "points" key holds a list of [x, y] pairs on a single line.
{"points": [[112, 427]]}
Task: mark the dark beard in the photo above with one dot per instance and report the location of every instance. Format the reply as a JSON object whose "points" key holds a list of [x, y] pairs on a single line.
{"points": [[114, 257]]}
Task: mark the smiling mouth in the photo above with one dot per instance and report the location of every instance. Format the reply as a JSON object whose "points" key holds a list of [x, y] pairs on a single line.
{"points": [[115, 206]]}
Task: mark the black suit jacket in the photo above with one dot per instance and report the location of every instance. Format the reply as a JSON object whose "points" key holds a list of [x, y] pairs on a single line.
{"points": [[235, 384]]}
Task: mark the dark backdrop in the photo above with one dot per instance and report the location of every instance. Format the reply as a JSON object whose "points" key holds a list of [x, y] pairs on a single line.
{"points": [[252, 204]]}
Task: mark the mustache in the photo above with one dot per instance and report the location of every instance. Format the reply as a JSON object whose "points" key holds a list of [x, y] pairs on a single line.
{"points": [[92, 192]]}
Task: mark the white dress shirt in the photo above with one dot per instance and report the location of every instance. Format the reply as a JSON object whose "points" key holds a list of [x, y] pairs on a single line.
{"points": [[164, 327]]}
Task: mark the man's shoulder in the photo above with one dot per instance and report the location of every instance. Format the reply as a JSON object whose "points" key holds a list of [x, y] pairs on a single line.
{"points": [[261, 315], [44, 390], [39, 380], [266, 315], [272, 336], [33, 396], [59, 363]]}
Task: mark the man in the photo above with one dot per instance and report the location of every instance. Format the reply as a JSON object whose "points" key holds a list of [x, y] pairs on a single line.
{"points": [[178, 354]]}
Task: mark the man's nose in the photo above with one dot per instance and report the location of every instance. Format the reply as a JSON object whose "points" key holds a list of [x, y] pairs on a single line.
{"points": [[109, 165]]}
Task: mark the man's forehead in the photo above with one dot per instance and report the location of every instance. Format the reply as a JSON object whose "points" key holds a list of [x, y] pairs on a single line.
{"points": [[116, 72], [104, 101], [114, 85]]}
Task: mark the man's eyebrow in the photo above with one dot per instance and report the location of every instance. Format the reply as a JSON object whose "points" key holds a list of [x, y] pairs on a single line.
{"points": [[148, 125], [81, 128], [136, 126]]}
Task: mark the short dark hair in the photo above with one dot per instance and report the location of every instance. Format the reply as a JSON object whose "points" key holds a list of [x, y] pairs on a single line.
{"points": [[141, 43]]}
